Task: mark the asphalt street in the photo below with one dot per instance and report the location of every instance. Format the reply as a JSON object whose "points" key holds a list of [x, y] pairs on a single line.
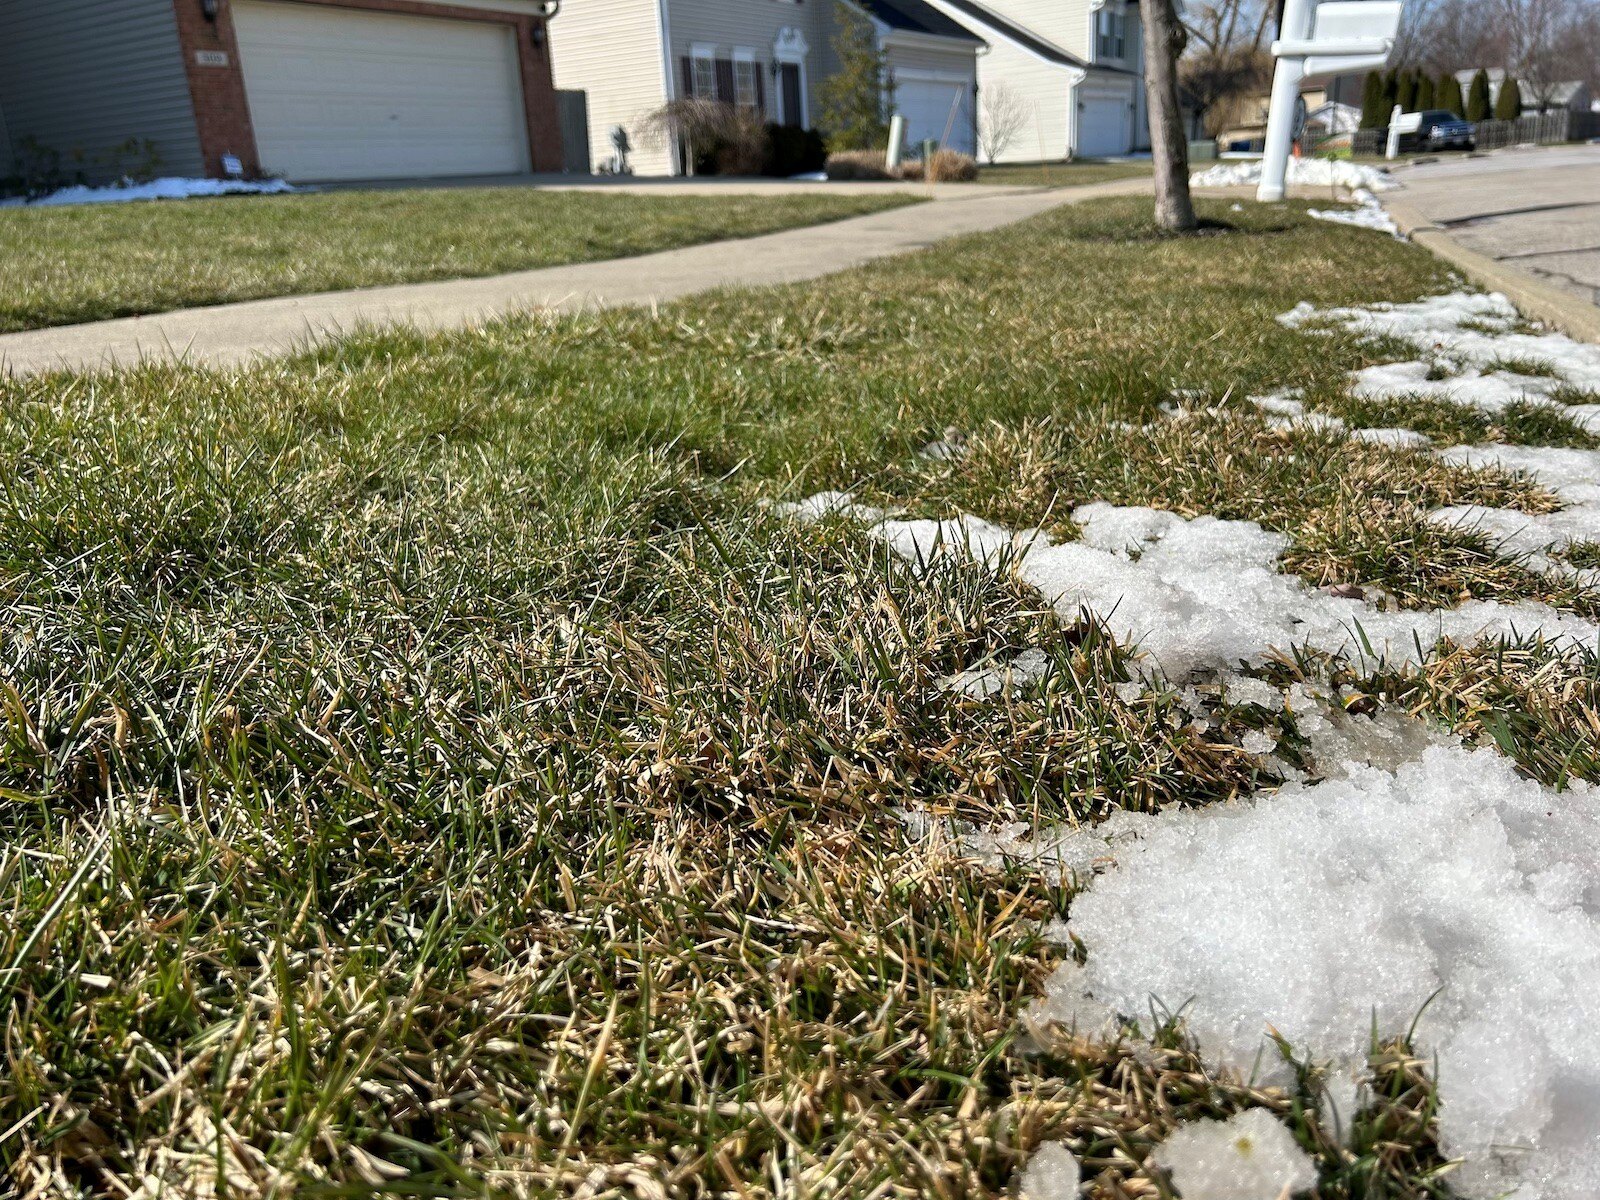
{"points": [[1536, 209]]}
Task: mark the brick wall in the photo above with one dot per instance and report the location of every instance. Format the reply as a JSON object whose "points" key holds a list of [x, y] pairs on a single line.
{"points": [[223, 114]]}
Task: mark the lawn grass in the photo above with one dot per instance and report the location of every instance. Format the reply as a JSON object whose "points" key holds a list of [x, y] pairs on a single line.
{"points": [[1062, 174], [90, 263], [431, 765]]}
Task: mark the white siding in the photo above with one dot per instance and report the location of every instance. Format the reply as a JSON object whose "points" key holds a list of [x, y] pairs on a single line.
{"points": [[1064, 23], [83, 76], [1044, 87], [611, 49]]}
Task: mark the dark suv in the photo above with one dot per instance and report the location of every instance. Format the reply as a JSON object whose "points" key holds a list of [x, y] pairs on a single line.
{"points": [[1441, 130]]}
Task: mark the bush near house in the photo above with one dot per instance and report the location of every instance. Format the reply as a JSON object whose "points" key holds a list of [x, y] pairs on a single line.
{"points": [[858, 96], [724, 139], [792, 150], [944, 166]]}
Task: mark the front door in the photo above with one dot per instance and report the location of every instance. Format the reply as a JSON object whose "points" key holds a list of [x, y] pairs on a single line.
{"points": [[794, 109]]}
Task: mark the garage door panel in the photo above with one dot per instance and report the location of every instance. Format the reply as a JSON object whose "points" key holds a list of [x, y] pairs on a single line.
{"points": [[1103, 125], [344, 94], [926, 105]]}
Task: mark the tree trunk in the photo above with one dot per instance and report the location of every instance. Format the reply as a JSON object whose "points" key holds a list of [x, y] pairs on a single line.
{"points": [[1169, 146]]}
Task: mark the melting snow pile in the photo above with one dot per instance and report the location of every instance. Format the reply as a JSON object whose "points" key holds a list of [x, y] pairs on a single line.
{"points": [[1368, 214], [1311, 911], [1574, 476], [1250, 1156], [170, 188], [1195, 594], [1323, 172]]}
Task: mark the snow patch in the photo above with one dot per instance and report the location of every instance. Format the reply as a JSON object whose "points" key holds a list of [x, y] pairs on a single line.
{"points": [[1463, 329], [1201, 593], [1574, 476], [1250, 1156], [1314, 910], [1052, 1174], [1325, 172], [168, 188], [1368, 214]]}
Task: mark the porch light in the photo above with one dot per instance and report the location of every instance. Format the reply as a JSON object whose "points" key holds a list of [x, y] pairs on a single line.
{"points": [[208, 9]]}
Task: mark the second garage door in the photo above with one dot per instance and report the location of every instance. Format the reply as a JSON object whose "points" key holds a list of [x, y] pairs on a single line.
{"points": [[1102, 125], [341, 94]]}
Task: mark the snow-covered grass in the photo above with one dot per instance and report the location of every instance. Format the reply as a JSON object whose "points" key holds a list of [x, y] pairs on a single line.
{"points": [[72, 262], [165, 188], [437, 764]]}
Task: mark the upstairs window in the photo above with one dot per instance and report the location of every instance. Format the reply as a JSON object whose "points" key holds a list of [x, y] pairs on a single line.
{"points": [[1112, 33]]}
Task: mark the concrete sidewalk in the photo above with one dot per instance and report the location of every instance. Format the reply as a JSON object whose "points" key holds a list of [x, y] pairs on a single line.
{"points": [[230, 334]]}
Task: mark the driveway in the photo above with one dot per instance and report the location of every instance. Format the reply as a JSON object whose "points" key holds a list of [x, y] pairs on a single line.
{"points": [[1537, 210]]}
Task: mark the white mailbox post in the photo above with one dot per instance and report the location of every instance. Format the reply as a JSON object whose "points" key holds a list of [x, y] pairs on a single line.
{"points": [[1400, 122], [1331, 38]]}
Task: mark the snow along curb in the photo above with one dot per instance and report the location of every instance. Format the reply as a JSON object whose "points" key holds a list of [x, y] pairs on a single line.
{"points": [[1535, 298]]}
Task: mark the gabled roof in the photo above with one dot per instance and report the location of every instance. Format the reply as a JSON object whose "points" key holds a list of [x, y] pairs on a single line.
{"points": [[1026, 38], [914, 16]]}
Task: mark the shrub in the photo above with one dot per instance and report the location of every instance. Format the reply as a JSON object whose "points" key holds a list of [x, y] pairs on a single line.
{"points": [[719, 138], [1373, 114], [1448, 96], [1508, 104], [858, 164], [1478, 97], [946, 166], [856, 98], [793, 151]]}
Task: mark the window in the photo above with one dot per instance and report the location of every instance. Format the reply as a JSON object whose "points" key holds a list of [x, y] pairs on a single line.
{"points": [[704, 77], [745, 93], [1112, 33], [703, 71]]}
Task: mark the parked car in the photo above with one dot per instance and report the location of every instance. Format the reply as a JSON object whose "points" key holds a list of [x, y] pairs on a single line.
{"points": [[1442, 130]]}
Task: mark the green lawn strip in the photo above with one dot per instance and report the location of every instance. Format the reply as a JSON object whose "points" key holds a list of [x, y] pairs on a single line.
{"points": [[1061, 174], [428, 761], [94, 262]]}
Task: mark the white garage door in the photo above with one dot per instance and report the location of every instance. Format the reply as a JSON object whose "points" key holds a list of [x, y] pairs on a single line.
{"points": [[927, 104], [1102, 125], [341, 94]]}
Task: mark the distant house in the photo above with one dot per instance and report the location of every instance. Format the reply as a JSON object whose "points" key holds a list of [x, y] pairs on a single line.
{"points": [[309, 89], [632, 57], [1572, 94], [1076, 66]]}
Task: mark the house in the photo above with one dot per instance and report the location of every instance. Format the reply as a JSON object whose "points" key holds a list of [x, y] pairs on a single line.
{"points": [[632, 57], [307, 89], [1073, 70], [1571, 94]]}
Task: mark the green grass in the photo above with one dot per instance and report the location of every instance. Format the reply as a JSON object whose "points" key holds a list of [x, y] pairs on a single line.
{"points": [[429, 764], [1062, 174], [90, 263]]}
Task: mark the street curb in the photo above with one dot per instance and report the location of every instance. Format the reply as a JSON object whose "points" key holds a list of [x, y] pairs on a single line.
{"points": [[1532, 296]]}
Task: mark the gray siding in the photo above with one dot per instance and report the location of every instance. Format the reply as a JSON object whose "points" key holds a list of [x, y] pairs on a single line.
{"points": [[83, 76], [5, 147], [755, 27]]}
